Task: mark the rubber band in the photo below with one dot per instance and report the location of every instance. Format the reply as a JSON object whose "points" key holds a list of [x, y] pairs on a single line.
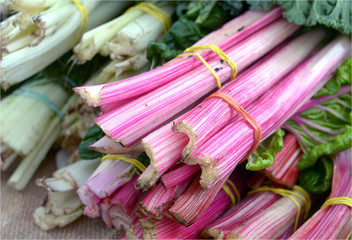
{"points": [[238, 195], [84, 19], [156, 12], [206, 64], [229, 193], [40, 97], [219, 52], [287, 193], [133, 161], [338, 200], [244, 114]]}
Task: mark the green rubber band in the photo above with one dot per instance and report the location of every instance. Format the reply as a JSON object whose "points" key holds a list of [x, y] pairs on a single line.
{"points": [[28, 92]]}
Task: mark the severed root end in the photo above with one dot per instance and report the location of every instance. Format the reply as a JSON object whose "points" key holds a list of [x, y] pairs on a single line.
{"points": [[108, 146], [90, 94], [187, 129], [213, 233], [151, 174], [149, 229]]}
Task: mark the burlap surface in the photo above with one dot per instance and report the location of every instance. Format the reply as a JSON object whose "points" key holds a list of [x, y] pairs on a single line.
{"points": [[17, 209]]}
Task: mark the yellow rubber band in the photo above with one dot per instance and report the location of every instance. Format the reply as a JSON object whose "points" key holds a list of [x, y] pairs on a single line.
{"points": [[338, 200], [288, 193], [84, 19], [133, 161], [219, 52], [156, 12], [238, 195], [206, 64], [229, 193]]}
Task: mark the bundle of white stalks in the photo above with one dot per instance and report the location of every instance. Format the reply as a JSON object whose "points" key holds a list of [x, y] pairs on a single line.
{"points": [[43, 31], [33, 122], [127, 35], [27, 114], [63, 205], [80, 117]]}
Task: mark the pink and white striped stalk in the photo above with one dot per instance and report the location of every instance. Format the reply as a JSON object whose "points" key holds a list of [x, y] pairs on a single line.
{"points": [[164, 146], [103, 94], [160, 199], [109, 176], [108, 146], [249, 207], [276, 220], [330, 221], [284, 170], [169, 229], [202, 123], [178, 174], [196, 200], [122, 205], [226, 149]]}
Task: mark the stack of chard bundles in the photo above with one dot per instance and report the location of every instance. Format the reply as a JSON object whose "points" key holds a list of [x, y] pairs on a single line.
{"points": [[240, 130], [176, 138]]}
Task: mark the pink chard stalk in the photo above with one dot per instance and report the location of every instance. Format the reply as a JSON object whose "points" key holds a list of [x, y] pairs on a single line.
{"points": [[274, 222], [163, 146], [284, 170], [249, 207], [196, 200], [106, 179], [118, 92], [169, 229], [332, 221], [160, 199], [226, 149]]}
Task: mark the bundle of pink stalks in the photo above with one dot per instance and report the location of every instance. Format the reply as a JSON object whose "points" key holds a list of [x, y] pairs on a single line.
{"points": [[195, 201], [164, 146], [226, 149], [106, 179], [119, 209], [160, 199], [132, 121], [332, 221], [261, 215], [169, 229], [166, 228], [116, 92]]}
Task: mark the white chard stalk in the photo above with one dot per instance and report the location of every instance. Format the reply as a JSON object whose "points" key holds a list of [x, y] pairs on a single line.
{"points": [[63, 205], [51, 33]]}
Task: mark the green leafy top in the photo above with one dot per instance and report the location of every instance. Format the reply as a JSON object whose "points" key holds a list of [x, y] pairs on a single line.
{"points": [[334, 14], [325, 128], [265, 154], [195, 20], [93, 135]]}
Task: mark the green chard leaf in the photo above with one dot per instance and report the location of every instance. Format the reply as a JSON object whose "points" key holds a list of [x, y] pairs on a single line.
{"points": [[195, 20], [265, 154], [332, 14], [93, 135], [317, 179]]}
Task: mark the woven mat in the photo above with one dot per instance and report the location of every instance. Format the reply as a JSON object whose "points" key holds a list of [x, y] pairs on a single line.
{"points": [[17, 209]]}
